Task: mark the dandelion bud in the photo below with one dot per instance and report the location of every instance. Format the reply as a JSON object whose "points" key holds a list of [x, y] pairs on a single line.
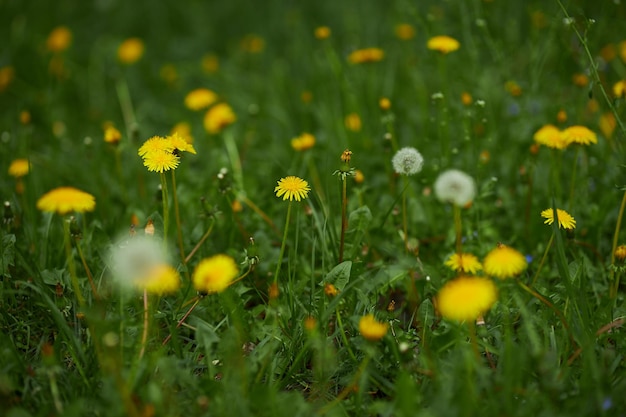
{"points": [[346, 156], [620, 253]]}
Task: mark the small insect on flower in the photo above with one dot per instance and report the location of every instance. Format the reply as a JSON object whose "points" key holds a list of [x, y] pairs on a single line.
{"points": [[292, 188]]}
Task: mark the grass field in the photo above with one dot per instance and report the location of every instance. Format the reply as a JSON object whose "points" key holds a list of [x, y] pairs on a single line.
{"points": [[326, 208]]}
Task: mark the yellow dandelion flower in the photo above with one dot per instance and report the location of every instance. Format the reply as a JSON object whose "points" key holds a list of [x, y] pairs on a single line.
{"points": [[621, 49], [466, 98], [443, 44], [7, 74], [330, 290], [353, 122], [504, 262], [130, 51], [303, 142], [608, 52], [183, 129], [179, 143], [19, 168], [513, 88], [160, 161], [466, 298], [607, 124], [112, 135], [620, 253], [550, 136], [292, 188], [253, 44], [358, 176], [306, 96], [465, 262], [65, 200], [215, 274], [210, 63], [580, 80], [322, 32], [200, 98], [59, 39], [404, 31], [579, 134], [361, 56], [155, 144], [160, 279], [619, 89], [561, 116], [566, 221], [371, 329], [384, 103], [218, 117], [25, 117]]}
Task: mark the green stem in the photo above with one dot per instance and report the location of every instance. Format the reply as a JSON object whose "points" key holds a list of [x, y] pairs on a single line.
{"points": [[573, 179], [201, 241], [123, 95], [235, 161], [70, 263], [179, 230], [144, 335], [87, 270], [404, 216], [618, 226], [458, 228], [282, 246], [344, 338], [166, 211], [344, 216], [543, 260]]}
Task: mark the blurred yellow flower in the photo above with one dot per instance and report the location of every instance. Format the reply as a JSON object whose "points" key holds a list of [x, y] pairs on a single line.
{"points": [[384, 103], [466, 98], [353, 122], [25, 117], [513, 88], [620, 253], [561, 116], [580, 135], [19, 168], [621, 49], [550, 136], [252, 43], [214, 274], [322, 32], [112, 135], [358, 176], [371, 329], [608, 52], [130, 51], [580, 80], [303, 142], [566, 221], [504, 262], [361, 56], [210, 63], [179, 144], [160, 279], [607, 124], [330, 290], [200, 98], [65, 200], [443, 44], [464, 262], [619, 89], [404, 31], [218, 117], [306, 96], [7, 73], [292, 188], [184, 130], [59, 39], [466, 298]]}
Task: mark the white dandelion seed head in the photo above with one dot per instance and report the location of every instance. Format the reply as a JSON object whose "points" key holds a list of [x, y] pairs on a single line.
{"points": [[131, 258], [456, 187], [407, 161]]}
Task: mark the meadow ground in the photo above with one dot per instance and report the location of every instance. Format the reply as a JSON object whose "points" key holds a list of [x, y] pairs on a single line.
{"points": [[312, 208]]}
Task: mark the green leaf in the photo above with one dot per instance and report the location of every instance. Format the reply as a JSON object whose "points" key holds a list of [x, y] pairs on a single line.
{"points": [[8, 254], [339, 275], [358, 224]]}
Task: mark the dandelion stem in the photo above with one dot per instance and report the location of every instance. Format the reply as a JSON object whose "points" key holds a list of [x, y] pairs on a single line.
{"points": [[70, 262], [344, 215], [178, 227], [87, 270], [182, 320], [146, 315], [404, 215], [458, 228], [123, 95], [573, 180], [618, 225], [282, 246], [233, 155], [543, 260], [200, 242], [54, 388], [166, 212]]}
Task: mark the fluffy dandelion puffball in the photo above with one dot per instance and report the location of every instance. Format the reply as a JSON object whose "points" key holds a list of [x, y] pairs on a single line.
{"points": [[292, 188], [65, 200], [215, 274], [456, 187], [566, 220], [464, 262], [504, 262], [466, 298], [371, 329], [407, 161]]}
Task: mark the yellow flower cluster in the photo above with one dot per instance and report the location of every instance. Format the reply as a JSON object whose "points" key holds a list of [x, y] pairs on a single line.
{"points": [[303, 142], [361, 56], [551, 137], [161, 154]]}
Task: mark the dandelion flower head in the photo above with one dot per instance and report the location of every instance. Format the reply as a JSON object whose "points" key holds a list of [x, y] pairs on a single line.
{"points": [[161, 161], [443, 44], [155, 144], [619, 89], [214, 274], [200, 98], [19, 168], [566, 220], [456, 187], [59, 39], [466, 298], [112, 135], [361, 56], [179, 144], [130, 51], [407, 161], [607, 124], [371, 329], [620, 253], [160, 279], [7, 73], [65, 200], [404, 31], [504, 262], [464, 262], [353, 122], [303, 142], [218, 117], [550, 136], [322, 32], [292, 188], [184, 130], [580, 135]]}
